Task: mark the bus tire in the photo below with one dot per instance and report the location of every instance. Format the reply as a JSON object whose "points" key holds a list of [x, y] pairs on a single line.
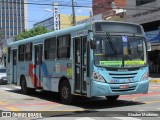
{"points": [[24, 87], [65, 92], [112, 98]]}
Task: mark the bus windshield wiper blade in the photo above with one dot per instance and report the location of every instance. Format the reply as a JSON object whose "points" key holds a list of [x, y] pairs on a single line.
{"points": [[112, 44]]}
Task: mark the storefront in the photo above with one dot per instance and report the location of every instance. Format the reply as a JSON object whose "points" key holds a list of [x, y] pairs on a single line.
{"points": [[154, 53]]}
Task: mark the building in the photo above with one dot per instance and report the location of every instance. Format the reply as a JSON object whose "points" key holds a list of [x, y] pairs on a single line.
{"points": [[144, 12], [107, 7], [47, 23], [12, 17], [147, 13], [12, 20], [64, 21]]}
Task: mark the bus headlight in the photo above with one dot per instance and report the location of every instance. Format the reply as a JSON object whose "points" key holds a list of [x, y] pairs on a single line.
{"points": [[145, 76], [97, 77]]}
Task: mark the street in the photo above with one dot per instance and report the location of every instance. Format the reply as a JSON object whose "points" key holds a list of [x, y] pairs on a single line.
{"points": [[11, 99]]}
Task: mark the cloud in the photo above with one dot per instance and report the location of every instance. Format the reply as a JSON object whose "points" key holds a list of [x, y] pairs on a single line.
{"points": [[49, 10], [82, 10]]}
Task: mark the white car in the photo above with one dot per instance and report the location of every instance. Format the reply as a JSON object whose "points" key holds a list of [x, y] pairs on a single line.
{"points": [[3, 75]]}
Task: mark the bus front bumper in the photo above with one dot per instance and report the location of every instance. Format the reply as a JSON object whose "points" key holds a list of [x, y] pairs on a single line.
{"points": [[105, 89]]}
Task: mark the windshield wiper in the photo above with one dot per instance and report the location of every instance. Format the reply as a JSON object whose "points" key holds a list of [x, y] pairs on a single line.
{"points": [[111, 42]]}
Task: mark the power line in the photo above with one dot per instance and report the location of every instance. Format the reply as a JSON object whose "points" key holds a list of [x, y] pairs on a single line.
{"points": [[47, 4], [84, 6]]}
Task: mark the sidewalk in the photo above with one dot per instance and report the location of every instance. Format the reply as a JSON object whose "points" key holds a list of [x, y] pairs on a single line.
{"points": [[154, 78]]}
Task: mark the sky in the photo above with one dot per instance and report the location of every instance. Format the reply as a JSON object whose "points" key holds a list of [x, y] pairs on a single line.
{"points": [[37, 13]]}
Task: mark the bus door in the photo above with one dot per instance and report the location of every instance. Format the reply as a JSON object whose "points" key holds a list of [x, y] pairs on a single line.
{"points": [[38, 61], [14, 66], [80, 60]]}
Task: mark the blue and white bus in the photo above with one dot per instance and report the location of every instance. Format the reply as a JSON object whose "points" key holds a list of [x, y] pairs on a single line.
{"points": [[103, 58]]}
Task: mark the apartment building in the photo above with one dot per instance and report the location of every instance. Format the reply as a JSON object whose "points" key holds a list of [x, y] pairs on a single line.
{"points": [[147, 13], [12, 18]]}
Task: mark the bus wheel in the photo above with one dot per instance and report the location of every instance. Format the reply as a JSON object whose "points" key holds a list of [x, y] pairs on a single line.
{"points": [[65, 92], [24, 88], [112, 98]]}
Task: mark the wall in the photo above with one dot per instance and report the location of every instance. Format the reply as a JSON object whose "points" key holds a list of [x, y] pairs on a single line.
{"points": [[142, 14], [100, 6]]}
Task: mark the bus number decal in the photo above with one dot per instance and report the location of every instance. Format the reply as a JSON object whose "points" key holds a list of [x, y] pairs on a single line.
{"points": [[69, 69]]}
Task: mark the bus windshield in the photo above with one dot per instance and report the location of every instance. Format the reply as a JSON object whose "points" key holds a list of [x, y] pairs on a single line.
{"points": [[120, 51]]}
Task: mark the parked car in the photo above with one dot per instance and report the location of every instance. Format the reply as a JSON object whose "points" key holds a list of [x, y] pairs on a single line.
{"points": [[3, 75]]}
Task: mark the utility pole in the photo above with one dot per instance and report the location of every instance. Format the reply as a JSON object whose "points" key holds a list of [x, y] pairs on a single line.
{"points": [[73, 14]]}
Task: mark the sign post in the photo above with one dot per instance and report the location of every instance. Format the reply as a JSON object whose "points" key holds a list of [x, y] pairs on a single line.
{"points": [[56, 17]]}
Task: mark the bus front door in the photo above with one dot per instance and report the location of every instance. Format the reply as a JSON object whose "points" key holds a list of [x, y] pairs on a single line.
{"points": [[14, 67], [80, 59], [38, 62]]}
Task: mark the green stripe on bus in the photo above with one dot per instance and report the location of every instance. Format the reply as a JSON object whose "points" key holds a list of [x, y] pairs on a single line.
{"points": [[135, 62], [110, 62]]}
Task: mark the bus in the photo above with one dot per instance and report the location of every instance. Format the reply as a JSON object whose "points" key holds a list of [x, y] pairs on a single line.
{"points": [[101, 58]]}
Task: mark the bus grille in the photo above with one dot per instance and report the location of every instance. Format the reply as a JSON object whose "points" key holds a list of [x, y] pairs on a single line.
{"points": [[123, 75]]}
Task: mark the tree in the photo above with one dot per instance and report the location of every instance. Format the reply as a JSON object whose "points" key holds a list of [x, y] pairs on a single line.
{"points": [[30, 33]]}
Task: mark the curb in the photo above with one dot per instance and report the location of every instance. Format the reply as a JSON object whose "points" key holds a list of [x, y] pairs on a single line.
{"points": [[154, 81]]}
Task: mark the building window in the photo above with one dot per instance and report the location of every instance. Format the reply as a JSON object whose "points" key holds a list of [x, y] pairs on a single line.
{"points": [[21, 52], [50, 48], [63, 46], [28, 54], [142, 2]]}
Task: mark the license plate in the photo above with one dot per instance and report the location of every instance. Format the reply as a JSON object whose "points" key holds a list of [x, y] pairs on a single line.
{"points": [[124, 86]]}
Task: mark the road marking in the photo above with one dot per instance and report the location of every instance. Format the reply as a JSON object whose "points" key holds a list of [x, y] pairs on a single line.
{"points": [[126, 118], [152, 102], [134, 98], [140, 95], [50, 107], [8, 107], [85, 118], [4, 88], [33, 104], [17, 87], [150, 91]]}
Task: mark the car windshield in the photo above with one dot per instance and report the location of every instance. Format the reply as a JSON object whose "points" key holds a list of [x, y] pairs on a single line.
{"points": [[2, 70], [120, 51]]}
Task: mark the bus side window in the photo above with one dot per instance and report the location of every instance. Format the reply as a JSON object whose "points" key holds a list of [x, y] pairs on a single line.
{"points": [[63, 46], [50, 48], [21, 52], [28, 52]]}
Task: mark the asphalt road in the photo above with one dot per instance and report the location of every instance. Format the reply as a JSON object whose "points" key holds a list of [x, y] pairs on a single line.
{"points": [[47, 105]]}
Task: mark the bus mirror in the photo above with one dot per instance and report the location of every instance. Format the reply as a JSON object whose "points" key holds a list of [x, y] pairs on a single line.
{"points": [[140, 47], [149, 46], [93, 44]]}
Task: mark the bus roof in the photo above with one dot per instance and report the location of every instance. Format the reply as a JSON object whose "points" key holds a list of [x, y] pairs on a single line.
{"points": [[60, 32], [50, 34]]}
